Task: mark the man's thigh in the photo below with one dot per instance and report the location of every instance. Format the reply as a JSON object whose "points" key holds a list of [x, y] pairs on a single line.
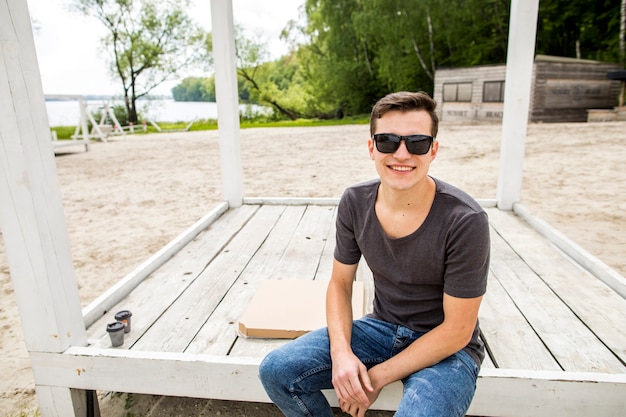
{"points": [[445, 389], [310, 354], [373, 340]]}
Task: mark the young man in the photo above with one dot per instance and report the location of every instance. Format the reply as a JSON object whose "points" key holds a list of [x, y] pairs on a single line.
{"points": [[427, 244]]}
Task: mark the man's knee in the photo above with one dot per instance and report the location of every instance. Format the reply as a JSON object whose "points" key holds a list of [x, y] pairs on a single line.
{"points": [[270, 369]]}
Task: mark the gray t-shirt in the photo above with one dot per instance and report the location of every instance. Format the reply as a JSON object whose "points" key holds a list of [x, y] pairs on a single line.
{"points": [[448, 253]]}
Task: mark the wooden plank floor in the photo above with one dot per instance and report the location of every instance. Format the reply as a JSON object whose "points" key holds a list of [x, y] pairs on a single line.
{"points": [[541, 311]]}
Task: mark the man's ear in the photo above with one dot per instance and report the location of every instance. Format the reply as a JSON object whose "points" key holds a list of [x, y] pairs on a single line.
{"points": [[370, 147], [434, 150]]}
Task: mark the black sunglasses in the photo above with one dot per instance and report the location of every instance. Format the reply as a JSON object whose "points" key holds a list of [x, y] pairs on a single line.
{"points": [[415, 144]]}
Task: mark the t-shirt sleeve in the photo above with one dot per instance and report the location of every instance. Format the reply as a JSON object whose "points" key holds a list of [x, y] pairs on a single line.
{"points": [[467, 257], [347, 250]]}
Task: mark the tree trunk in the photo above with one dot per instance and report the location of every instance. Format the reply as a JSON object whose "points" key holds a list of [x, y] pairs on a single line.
{"points": [[132, 113], [127, 103], [418, 53], [622, 33]]}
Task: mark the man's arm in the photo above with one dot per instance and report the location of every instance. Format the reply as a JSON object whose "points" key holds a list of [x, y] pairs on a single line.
{"points": [[349, 374], [460, 316]]}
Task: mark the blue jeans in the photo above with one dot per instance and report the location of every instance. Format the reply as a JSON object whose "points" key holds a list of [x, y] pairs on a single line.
{"points": [[294, 374]]}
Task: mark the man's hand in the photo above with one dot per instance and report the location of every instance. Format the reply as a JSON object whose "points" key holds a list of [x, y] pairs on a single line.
{"points": [[355, 410], [352, 384], [359, 409]]}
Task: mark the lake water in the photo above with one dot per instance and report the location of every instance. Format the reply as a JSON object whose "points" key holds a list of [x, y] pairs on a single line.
{"points": [[67, 113]]}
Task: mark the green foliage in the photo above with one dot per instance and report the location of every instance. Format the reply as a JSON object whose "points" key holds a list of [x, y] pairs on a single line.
{"points": [[195, 89], [64, 132], [148, 42], [349, 53], [278, 85], [338, 63], [270, 84], [203, 89], [129, 401], [359, 50], [247, 121], [592, 25], [352, 120]]}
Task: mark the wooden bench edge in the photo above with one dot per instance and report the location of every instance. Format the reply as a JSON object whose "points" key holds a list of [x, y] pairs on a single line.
{"points": [[499, 391]]}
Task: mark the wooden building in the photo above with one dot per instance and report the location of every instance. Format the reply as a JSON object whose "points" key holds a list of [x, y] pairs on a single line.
{"points": [[563, 89]]}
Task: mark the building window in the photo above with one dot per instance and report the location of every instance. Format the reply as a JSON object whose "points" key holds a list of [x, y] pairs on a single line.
{"points": [[457, 92], [493, 92]]}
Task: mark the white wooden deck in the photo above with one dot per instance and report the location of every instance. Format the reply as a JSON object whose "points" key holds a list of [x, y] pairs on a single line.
{"points": [[555, 333]]}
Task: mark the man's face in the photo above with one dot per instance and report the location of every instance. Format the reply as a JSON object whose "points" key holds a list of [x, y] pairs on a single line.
{"points": [[402, 170]]}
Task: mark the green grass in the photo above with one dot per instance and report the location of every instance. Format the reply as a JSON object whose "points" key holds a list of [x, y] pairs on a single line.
{"points": [[66, 132], [305, 122]]}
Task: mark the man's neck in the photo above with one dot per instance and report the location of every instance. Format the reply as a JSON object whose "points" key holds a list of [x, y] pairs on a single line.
{"points": [[414, 199], [402, 212]]}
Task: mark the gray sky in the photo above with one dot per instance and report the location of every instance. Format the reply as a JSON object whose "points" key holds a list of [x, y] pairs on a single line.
{"points": [[68, 46]]}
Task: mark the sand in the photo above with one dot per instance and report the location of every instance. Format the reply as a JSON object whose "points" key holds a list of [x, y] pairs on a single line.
{"points": [[125, 199]]}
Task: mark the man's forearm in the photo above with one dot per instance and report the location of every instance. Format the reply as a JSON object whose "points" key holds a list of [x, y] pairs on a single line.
{"points": [[428, 350], [441, 342], [339, 316]]}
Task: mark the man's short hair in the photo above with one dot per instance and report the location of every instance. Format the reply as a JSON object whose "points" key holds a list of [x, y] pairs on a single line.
{"points": [[404, 101]]}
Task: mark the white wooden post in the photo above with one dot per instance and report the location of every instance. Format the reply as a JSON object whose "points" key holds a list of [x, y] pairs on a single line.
{"points": [[519, 71], [227, 100], [83, 118], [31, 212]]}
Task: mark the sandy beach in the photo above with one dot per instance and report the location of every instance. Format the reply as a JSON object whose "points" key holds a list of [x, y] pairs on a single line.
{"points": [[127, 198]]}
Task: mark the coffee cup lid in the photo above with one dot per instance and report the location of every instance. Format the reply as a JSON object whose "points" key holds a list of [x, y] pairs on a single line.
{"points": [[124, 314], [115, 326]]}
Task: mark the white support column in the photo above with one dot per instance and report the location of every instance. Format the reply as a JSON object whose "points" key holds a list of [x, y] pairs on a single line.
{"points": [[31, 213], [227, 100], [519, 71], [55, 401]]}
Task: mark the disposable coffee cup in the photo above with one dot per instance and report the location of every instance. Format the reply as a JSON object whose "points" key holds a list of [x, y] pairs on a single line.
{"points": [[124, 317], [116, 333]]}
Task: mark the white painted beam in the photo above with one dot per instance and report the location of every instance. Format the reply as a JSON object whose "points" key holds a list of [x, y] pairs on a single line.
{"points": [[292, 201], [500, 392], [60, 401], [224, 58], [31, 212], [322, 201], [517, 90]]}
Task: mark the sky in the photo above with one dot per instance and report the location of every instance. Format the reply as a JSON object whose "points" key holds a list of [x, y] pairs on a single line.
{"points": [[70, 57]]}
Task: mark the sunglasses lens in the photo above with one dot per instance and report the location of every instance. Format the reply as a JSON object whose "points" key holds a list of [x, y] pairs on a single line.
{"points": [[387, 143], [419, 146], [415, 144]]}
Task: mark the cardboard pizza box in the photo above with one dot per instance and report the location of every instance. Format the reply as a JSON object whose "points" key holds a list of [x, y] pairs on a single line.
{"points": [[286, 309]]}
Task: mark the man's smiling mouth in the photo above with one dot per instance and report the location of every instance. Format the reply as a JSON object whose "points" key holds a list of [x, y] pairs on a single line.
{"points": [[401, 168]]}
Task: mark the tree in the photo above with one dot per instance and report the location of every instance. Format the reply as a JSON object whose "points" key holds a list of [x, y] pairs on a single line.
{"points": [[269, 83], [272, 84], [588, 29], [358, 50], [348, 53], [195, 89], [337, 61], [149, 42]]}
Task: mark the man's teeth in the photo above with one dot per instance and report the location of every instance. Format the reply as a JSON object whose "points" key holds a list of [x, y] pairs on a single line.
{"points": [[403, 169]]}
